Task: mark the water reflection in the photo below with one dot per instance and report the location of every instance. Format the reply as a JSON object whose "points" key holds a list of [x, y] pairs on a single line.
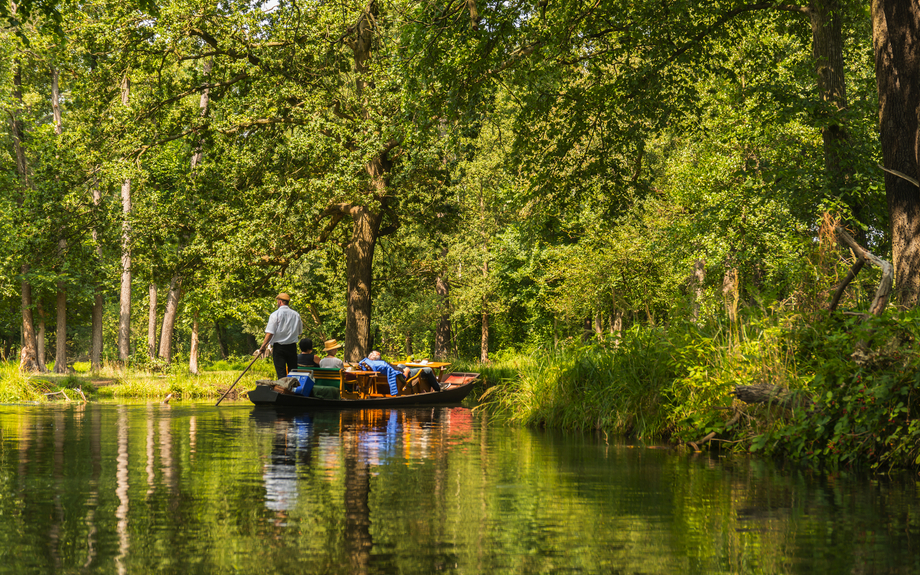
{"points": [[191, 488]]}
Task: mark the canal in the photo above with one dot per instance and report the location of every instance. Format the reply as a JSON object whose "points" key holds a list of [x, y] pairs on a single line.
{"points": [[190, 488]]}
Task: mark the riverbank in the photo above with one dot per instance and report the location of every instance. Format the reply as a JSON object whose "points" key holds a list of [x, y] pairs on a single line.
{"points": [[113, 383], [853, 387], [852, 383]]}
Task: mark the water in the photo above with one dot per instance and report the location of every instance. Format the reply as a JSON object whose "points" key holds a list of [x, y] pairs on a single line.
{"points": [[196, 489]]}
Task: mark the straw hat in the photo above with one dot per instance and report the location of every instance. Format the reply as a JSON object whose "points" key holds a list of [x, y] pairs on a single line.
{"points": [[331, 344], [283, 296]]}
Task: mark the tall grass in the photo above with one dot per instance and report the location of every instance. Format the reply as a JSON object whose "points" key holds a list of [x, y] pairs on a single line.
{"points": [[656, 382], [591, 387], [16, 387]]}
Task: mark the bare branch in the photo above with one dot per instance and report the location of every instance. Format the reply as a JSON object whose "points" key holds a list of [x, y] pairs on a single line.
{"points": [[901, 175]]}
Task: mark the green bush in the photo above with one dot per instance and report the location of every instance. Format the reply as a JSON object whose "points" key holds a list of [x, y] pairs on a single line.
{"points": [[865, 391]]}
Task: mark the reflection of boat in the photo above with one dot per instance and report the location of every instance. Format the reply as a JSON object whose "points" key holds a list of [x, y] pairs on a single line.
{"points": [[266, 395], [457, 392]]}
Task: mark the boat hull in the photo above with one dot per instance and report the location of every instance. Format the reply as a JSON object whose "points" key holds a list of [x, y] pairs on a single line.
{"points": [[265, 395]]}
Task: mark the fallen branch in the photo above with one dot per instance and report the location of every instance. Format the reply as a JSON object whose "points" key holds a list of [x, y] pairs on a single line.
{"points": [[51, 393], [884, 286], [769, 394], [851, 275]]}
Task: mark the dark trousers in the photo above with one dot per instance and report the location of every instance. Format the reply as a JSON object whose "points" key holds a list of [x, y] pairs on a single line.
{"points": [[284, 356], [427, 376]]}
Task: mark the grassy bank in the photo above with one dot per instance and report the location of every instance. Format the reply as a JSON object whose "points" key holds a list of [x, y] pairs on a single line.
{"points": [[113, 383], [855, 381]]}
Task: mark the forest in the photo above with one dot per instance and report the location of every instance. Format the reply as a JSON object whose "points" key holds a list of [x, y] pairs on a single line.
{"points": [[619, 210]]}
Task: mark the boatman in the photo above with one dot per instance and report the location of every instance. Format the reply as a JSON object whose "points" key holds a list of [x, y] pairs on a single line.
{"points": [[283, 330]]}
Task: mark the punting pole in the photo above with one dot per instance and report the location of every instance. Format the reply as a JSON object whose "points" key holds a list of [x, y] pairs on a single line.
{"points": [[237, 379]]}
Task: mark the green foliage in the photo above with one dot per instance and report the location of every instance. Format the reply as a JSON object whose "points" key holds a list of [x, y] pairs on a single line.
{"points": [[865, 391]]}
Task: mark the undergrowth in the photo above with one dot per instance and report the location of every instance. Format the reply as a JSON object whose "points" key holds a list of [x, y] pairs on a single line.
{"points": [[856, 380]]}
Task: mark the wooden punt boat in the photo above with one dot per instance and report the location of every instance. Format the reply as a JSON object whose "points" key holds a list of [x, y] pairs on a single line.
{"points": [[366, 391]]}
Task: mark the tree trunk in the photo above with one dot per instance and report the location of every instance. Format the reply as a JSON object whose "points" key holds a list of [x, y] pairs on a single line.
{"points": [[731, 293], [770, 394], [222, 340], [599, 326], [366, 223], [96, 329], [484, 341], [827, 48], [616, 326], [28, 359], [60, 349], [124, 316], [152, 322], [197, 156], [169, 318], [193, 350], [359, 262], [41, 337], [696, 288], [895, 30], [443, 334]]}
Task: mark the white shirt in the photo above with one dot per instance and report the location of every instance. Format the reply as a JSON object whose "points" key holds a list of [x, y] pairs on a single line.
{"points": [[284, 324]]}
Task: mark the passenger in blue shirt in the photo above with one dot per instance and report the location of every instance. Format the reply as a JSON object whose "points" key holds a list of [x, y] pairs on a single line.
{"points": [[395, 376]]}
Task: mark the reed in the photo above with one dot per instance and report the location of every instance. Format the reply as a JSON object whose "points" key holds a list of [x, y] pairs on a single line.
{"points": [[590, 387], [16, 387], [656, 382]]}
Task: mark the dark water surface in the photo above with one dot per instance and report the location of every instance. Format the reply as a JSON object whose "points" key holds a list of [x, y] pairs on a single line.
{"points": [[190, 488]]}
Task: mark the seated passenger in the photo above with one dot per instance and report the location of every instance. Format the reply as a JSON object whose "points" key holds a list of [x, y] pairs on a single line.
{"points": [[427, 375], [331, 347], [306, 357], [395, 376]]}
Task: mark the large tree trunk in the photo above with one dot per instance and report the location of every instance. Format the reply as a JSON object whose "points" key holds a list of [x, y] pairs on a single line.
{"points": [[359, 262], [895, 33], [365, 222], [124, 316], [152, 322], [169, 318]]}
